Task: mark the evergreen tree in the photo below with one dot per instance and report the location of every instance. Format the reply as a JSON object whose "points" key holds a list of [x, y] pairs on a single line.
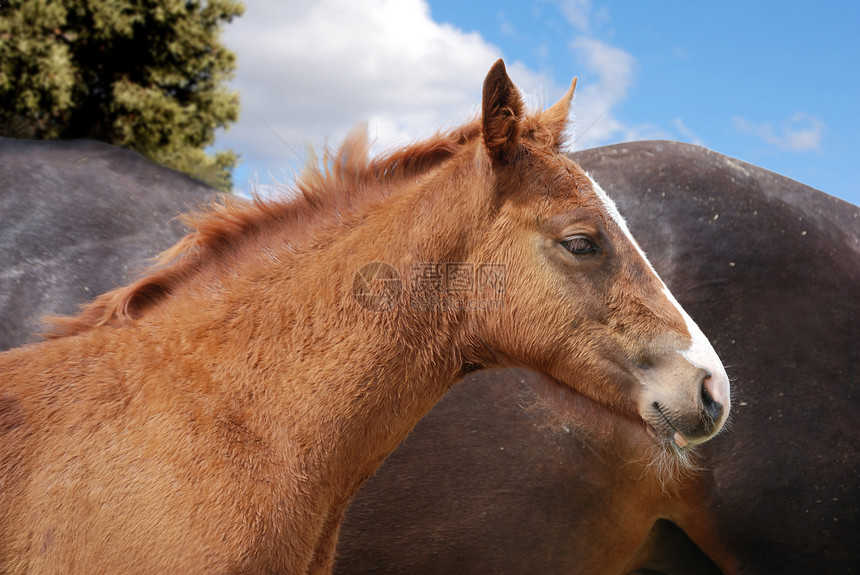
{"points": [[145, 74]]}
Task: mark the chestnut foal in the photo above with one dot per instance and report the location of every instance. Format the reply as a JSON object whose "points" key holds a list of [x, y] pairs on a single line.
{"points": [[218, 414]]}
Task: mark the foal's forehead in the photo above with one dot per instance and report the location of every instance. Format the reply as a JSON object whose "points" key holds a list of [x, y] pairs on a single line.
{"points": [[559, 177], [575, 187]]}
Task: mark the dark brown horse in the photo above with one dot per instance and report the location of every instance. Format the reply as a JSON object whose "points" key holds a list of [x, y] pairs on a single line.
{"points": [[452, 500], [217, 414], [77, 219], [771, 269]]}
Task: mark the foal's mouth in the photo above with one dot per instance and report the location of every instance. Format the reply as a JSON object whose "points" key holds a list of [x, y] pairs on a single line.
{"points": [[661, 428]]}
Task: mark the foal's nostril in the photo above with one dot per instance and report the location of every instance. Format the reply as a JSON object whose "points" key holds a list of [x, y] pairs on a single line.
{"points": [[713, 409]]}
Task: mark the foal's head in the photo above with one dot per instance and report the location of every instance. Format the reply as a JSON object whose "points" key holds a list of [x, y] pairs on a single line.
{"points": [[582, 303]]}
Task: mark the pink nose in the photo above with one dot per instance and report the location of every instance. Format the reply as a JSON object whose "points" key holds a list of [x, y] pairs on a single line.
{"points": [[713, 408]]}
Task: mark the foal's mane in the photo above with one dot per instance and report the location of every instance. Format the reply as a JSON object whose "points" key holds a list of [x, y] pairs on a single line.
{"points": [[346, 180]]}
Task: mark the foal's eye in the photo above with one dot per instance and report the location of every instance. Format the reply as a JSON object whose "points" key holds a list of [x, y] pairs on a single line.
{"points": [[579, 245]]}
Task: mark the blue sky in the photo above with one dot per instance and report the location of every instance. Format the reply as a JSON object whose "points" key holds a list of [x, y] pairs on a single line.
{"points": [[770, 83]]}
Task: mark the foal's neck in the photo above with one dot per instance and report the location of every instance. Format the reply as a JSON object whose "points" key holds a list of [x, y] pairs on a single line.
{"points": [[343, 384]]}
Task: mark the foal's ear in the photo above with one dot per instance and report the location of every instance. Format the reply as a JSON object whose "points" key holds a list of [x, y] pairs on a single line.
{"points": [[502, 109], [555, 117]]}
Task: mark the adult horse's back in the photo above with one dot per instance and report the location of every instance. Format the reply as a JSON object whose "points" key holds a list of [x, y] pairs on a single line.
{"points": [[768, 266], [77, 219]]}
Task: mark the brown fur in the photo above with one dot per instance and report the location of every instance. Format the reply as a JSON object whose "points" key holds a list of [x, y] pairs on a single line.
{"points": [[218, 414]]}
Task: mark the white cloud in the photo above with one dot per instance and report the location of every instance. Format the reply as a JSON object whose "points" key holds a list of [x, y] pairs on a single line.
{"points": [[577, 13], [609, 73], [310, 71], [802, 132]]}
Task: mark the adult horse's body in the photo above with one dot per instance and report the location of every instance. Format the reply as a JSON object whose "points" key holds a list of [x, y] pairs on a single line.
{"points": [[77, 219], [771, 269], [452, 500], [218, 413]]}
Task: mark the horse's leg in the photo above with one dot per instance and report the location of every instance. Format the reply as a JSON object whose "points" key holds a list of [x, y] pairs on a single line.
{"points": [[323, 560]]}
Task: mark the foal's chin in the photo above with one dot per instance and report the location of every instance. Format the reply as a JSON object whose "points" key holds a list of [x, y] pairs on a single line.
{"points": [[668, 461]]}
